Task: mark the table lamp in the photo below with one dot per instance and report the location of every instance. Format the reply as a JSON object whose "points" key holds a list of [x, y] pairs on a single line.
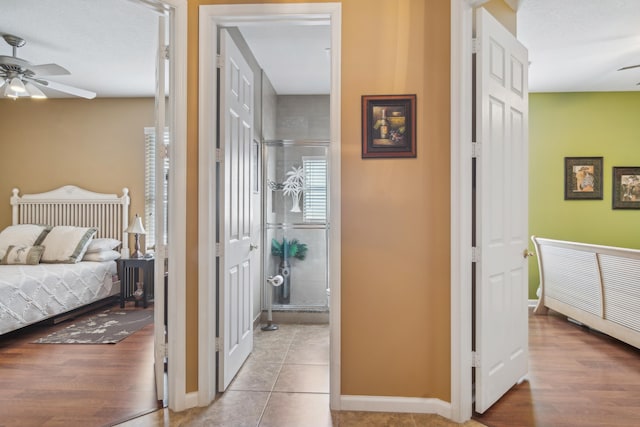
{"points": [[137, 229]]}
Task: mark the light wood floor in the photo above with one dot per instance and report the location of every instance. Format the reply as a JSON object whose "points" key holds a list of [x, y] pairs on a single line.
{"points": [[577, 378], [75, 384]]}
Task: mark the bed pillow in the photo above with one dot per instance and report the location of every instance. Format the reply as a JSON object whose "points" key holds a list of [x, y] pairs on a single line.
{"points": [[109, 255], [66, 244], [22, 255], [102, 244], [22, 235]]}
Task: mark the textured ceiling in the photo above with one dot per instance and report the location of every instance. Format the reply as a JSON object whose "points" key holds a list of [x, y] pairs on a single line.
{"points": [[109, 45], [578, 45]]}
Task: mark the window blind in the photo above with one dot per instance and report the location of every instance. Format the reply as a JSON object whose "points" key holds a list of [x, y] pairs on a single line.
{"points": [[150, 197], [315, 189]]}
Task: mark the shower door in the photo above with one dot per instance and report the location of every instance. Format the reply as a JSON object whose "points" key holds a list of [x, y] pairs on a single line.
{"points": [[296, 224]]}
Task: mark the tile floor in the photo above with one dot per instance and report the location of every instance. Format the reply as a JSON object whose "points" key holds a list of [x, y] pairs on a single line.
{"points": [[285, 382]]}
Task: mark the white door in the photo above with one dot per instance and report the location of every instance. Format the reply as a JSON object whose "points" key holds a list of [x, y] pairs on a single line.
{"points": [[163, 137], [501, 211], [236, 263]]}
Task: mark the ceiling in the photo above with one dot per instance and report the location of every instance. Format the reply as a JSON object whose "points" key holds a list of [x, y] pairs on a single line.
{"points": [[109, 45], [578, 45], [303, 67]]}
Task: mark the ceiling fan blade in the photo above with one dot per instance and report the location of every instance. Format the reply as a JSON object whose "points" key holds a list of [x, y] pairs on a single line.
{"points": [[49, 70], [13, 61], [35, 80], [67, 89], [628, 67]]}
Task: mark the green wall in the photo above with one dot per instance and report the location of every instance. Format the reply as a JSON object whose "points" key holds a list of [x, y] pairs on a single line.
{"points": [[589, 124]]}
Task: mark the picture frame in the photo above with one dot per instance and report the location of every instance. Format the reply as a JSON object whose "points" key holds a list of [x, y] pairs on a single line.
{"points": [[583, 178], [626, 187], [388, 126]]}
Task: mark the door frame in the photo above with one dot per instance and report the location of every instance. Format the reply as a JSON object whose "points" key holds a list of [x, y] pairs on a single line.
{"points": [[210, 16], [176, 247], [461, 209], [177, 215]]}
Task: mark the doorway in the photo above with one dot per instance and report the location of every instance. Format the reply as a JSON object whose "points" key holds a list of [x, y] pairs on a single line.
{"points": [[211, 18]]}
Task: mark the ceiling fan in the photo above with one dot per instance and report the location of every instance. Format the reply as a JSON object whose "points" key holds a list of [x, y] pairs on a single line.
{"points": [[629, 67], [21, 78]]}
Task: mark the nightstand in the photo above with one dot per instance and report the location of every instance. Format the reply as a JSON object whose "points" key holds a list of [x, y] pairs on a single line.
{"points": [[136, 274]]}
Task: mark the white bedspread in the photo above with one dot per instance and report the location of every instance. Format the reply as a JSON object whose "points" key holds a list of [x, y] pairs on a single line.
{"points": [[30, 293]]}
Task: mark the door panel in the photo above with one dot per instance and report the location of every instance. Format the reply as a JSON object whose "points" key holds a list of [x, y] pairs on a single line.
{"points": [[237, 265], [501, 213]]}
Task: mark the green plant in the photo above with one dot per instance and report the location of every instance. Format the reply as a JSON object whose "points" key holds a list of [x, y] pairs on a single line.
{"points": [[288, 249]]}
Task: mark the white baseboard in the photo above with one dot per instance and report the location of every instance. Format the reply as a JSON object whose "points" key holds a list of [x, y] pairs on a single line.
{"points": [[191, 400], [533, 303], [416, 405]]}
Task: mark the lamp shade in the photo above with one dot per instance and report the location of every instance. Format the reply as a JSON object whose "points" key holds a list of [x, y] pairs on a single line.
{"points": [[136, 226], [9, 93], [34, 91], [16, 85]]}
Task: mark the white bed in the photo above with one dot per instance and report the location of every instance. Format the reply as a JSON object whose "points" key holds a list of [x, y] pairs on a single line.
{"points": [[32, 293], [595, 285]]}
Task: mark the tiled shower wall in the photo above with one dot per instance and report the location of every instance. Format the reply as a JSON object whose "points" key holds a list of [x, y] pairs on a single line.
{"points": [[302, 117]]}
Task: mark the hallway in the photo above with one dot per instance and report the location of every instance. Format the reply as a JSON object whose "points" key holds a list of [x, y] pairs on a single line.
{"points": [[285, 382]]}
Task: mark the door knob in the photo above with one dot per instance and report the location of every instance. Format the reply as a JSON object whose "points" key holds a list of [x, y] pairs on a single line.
{"points": [[527, 253], [253, 247]]}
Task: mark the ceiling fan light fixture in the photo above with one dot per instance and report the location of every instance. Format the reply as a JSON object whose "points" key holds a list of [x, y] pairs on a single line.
{"points": [[17, 86], [10, 93], [16, 72], [34, 91]]}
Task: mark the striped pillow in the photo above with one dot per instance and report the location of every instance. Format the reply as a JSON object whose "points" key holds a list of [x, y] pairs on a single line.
{"points": [[22, 255], [67, 244]]}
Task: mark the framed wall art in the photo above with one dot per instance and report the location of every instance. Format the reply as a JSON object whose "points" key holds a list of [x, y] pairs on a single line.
{"points": [[388, 126], [626, 187], [583, 178]]}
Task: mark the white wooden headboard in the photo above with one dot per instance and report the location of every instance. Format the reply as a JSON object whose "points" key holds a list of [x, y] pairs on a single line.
{"points": [[71, 205]]}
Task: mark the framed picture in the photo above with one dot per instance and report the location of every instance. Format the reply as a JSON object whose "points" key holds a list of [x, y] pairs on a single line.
{"points": [[626, 187], [582, 178], [388, 126]]}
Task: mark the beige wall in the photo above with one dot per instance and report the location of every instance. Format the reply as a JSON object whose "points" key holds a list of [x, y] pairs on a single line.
{"points": [[95, 144], [395, 212]]}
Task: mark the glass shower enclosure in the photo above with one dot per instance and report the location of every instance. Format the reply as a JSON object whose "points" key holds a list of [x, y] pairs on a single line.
{"points": [[295, 191]]}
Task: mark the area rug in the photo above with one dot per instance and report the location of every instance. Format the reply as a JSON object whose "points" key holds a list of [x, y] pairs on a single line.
{"points": [[107, 327]]}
